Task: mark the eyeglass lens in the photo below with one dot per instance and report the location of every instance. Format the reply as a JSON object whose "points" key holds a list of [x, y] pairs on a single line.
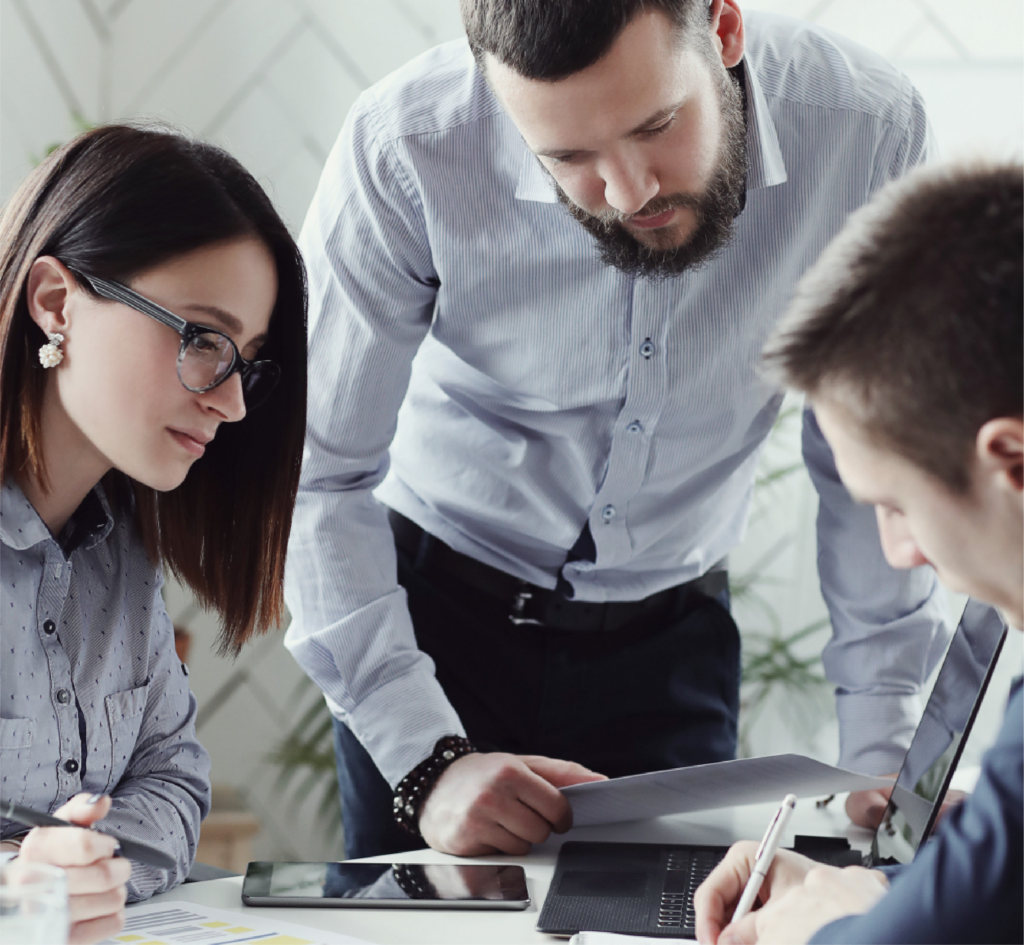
{"points": [[208, 356]]}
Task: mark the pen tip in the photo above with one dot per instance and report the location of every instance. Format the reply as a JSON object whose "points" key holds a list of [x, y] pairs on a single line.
{"points": [[790, 800]]}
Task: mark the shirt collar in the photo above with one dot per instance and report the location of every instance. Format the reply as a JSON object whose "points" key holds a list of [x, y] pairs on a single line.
{"points": [[22, 528], [765, 166]]}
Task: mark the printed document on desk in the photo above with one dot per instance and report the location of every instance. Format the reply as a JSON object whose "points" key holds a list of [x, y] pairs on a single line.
{"points": [[706, 787], [177, 923]]}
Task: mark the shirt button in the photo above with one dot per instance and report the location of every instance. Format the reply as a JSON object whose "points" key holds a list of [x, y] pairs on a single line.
{"points": [[49, 626], [647, 348], [608, 513], [71, 766], [63, 696], [635, 427]]}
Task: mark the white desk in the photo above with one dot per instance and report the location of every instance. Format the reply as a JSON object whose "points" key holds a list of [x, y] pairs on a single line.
{"points": [[447, 927]]}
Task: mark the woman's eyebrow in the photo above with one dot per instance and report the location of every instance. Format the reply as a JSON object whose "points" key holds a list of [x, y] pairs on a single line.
{"points": [[218, 314], [226, 319]]}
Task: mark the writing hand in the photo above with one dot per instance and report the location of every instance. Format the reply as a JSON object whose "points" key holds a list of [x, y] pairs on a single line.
{"points": [[717, 896], [826, 894], [96, 879], [492, 802]]}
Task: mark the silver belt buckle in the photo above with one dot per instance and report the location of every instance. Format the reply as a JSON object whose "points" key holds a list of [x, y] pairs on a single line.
{"points": [[519, 606]]}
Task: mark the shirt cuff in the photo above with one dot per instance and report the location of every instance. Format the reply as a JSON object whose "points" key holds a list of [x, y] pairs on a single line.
{"points": [[400, 722], [875, 730]]}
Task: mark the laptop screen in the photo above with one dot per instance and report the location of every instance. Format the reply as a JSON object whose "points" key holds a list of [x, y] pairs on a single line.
{"points": [[938, 741]]}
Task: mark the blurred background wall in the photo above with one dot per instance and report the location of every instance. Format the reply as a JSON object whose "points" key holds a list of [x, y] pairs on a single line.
{"points": [[272, 80]]}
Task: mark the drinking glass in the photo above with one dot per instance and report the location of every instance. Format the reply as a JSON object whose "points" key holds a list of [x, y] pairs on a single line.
{"points": [[33, 904]]}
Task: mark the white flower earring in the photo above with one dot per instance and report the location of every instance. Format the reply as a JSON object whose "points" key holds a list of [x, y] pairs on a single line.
{"points": [[50, 354]]}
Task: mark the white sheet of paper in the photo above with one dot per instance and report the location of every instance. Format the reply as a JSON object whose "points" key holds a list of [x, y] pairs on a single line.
{"points": [[614, 938], [174, 923], [706, 787]]}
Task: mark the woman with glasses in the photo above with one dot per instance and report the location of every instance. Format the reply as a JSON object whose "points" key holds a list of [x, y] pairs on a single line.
{"points": [[152, 412]]}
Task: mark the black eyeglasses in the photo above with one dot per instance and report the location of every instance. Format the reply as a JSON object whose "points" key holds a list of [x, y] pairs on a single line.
{"points": [[207, 358]]}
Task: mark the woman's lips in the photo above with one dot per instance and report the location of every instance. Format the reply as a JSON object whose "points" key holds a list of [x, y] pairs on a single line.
{"points": [[190, 443]]}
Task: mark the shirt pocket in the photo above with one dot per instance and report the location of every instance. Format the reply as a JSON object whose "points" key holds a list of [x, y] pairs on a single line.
{"points": [[15, 753], [125, 711]]}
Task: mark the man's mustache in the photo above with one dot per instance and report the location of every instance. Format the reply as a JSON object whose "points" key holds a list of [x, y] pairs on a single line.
{"points": [[652, 208]]}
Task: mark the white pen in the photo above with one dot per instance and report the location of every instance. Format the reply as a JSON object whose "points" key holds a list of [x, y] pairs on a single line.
{"points": [[765, 855]]}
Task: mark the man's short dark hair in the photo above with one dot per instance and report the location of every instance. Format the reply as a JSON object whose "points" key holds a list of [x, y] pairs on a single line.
{"points": [[912, 318], [553, 39]]}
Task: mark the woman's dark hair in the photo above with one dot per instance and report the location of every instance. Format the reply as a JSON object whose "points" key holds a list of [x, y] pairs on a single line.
{"points": [[115, 202]]}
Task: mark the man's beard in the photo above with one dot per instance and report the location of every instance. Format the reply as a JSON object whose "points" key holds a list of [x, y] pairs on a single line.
{"points": [[715, 209]]}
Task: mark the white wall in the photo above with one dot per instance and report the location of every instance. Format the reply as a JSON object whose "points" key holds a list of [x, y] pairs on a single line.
{"points": [[272, 80]]}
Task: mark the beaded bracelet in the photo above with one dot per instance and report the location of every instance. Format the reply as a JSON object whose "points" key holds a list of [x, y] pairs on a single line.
{"points": [[412, 880], [413, 789]]}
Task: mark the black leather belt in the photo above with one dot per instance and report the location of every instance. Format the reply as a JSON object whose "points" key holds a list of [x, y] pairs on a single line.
{"points": [[530, 604]]}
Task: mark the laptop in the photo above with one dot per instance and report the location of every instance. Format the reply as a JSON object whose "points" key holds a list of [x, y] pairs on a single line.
{"points": [[647, 888]]}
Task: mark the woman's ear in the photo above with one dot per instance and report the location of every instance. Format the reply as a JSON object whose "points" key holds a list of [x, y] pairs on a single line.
{"points": [[47, 290], [1000, 450]]}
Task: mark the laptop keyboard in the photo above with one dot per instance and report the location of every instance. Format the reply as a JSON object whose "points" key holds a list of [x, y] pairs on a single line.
{"points": [[637, 888], [686, 870]]}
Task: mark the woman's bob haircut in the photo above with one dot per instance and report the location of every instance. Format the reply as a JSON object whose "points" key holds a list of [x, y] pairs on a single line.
{"points": [[115, 202]]}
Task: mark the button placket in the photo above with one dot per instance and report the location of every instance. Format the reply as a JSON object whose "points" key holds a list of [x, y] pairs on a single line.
{"points": [[650, 309], [53, 597]]}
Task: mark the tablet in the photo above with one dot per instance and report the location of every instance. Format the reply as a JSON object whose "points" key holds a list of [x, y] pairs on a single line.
{"points": [[385, 885]]}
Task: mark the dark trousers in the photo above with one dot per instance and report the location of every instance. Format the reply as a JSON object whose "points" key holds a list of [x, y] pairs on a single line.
{"points": [[654, 694]]}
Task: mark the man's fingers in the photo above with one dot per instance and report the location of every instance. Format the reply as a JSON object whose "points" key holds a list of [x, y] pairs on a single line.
{"points": [[717, 896], [711, 915], [865, 808], [524, 821], [66, 846], [743, 932], [558, 772], [537, 793], [504, 841]]}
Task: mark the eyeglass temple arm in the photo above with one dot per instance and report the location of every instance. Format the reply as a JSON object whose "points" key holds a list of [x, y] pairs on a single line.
{"points": [[119, 293]]}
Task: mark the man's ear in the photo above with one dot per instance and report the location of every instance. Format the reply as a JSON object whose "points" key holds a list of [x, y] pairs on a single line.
{"points": [[727, 30], [48, 287], [1000, 449]]}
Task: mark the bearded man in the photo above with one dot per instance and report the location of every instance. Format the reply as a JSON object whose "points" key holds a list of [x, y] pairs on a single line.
{"points": [[532, 442]]}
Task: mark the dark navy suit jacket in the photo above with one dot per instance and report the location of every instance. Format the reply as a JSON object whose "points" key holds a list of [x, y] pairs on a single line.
{"points": [[966, 884]]}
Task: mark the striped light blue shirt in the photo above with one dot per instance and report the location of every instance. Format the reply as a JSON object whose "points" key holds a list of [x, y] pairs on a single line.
{"points": [[474, 366]]}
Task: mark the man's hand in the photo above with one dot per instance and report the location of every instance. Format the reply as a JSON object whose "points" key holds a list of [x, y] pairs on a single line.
{"points": [[718, 895], [826, 894], [499, 803], [865, 808], [96, 880]]}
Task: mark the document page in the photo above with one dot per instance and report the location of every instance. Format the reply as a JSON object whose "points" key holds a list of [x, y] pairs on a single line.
{"points": [[174, 923], [706, 787]]}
